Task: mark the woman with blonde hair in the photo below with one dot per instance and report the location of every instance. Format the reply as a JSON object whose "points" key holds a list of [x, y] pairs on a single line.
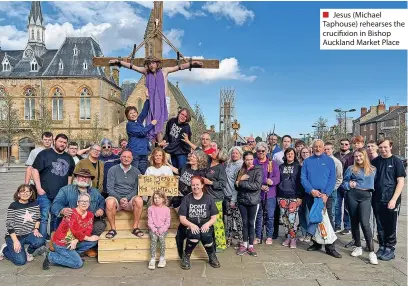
{"points": [[359, 183], [158, 166]]}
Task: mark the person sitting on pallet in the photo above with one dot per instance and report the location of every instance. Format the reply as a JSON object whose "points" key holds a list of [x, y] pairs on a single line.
{"points": [[122, 186], [156, 84]]}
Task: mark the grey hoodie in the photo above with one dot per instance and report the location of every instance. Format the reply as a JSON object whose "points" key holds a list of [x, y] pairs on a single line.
{"points": [[232, 170]]}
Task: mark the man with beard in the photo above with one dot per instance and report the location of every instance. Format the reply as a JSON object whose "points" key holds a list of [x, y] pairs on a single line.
{"points": [[156, 84], [46, 139], [52, 170], [67, 198], [109, 159]]}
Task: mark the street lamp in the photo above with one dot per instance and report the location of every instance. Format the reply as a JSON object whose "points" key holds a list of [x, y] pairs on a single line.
{"points": [[319, 130], [236, 126], [304, 136], [345, 117]]}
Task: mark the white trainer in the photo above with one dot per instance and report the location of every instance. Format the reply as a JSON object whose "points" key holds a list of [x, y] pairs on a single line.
{"points": [[30, 257], [162, 263], [357, 251], [373, 258], [1, 251], [152, 265]]}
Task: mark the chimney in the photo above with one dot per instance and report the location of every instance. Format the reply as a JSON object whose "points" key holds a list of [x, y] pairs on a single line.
{"points": [[212, 128], [363, 111], [373, 110], [381, 108], [394, 107], [115, 75]]}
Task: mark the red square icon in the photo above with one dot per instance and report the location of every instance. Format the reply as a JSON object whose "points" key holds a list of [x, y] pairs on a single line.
{"points": [[325, 14]]}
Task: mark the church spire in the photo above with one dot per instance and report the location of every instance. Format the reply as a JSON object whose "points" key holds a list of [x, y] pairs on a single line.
{"points": [[35, 16], [154, 46], [36, 30]]}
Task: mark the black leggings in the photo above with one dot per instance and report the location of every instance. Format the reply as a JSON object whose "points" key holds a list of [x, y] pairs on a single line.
{"points": [[206, 239], [359, 207], [248, 214]]}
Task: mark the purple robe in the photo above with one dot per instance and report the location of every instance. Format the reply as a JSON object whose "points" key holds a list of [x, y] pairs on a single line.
{"points": [[158, 107]]}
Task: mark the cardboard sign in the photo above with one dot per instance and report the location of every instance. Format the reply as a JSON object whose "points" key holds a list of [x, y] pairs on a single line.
{"points": [[149, 184]]}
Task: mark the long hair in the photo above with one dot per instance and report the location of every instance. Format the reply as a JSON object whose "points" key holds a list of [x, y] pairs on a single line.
{"points": [[157, 150], [22, 188], [202, 159], [162, 194], [244, 168], [368, 168]]}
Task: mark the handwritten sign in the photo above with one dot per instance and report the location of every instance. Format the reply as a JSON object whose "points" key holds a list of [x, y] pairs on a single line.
{"points": [[149, 184]]}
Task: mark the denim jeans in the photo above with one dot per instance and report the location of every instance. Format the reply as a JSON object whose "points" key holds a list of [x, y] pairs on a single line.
{"points": [[21, 257], [269, 205], [70, 258], [303, 213], [179, 161], [341, 194], [332, 207], [140, 162], [45, 206]]}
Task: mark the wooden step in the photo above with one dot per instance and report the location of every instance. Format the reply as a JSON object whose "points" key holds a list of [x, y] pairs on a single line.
{"points": [[122, 215], [126, 247], [128, 224]]}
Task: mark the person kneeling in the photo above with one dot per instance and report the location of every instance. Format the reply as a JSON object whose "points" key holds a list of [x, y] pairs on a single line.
{"points": [[73, 237], [198, 213]]}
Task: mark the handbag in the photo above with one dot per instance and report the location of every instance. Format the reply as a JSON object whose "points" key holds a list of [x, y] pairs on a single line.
{"points": [[324, 232]]}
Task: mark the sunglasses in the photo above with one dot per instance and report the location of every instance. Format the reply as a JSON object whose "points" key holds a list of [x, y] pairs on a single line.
{"points": [[251, 141], [260, 151], [104, 147], [344, 144], [84, 202]]}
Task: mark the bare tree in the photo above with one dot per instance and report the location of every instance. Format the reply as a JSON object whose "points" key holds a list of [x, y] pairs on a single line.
{"points": [[10, 123], [43, 118], [322, 129], [197, 125], [95, 134]]}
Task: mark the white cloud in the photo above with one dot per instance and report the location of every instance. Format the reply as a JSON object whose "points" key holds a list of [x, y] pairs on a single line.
{"points": [[173, 8], [256, 68], [18, 10], [230, 10], [12, 39], [175, 37], [229, 70]]}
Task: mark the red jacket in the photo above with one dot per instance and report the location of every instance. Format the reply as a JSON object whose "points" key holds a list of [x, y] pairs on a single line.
{"points": [[73, 227]]}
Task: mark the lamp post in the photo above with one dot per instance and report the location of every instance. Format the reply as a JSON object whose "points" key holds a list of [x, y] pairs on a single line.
{"points": [[345, 117], [304, 136], [319, 130], [235, 125]]}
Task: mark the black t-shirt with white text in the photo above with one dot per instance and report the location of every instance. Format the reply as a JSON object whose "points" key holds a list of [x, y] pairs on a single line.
{"points": [[54, 170], [186, 173], [388, 170], [198, 211]]}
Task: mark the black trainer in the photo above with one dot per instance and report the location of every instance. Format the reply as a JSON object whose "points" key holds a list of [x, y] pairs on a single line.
{"points": [[334, 253], [185, 262], [314, 247], [46, 263], [213, 260]]}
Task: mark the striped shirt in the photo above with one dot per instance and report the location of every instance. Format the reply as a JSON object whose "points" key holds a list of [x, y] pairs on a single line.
{"points": [[21, 218]]}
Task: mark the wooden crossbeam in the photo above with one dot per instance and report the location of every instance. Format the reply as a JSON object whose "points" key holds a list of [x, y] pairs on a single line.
{"points": [[207, 64]]}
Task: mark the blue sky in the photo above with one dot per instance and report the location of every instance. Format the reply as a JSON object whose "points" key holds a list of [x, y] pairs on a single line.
{"points": [[270, 53]]}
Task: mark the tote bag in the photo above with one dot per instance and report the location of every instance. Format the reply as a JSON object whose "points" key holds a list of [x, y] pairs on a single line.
{"points": [[324, 232]]}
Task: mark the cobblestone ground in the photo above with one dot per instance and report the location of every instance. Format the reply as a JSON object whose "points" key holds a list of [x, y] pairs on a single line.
{"points": [[275, 264]]}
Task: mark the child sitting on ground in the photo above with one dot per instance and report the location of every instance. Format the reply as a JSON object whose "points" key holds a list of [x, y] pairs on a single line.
{"points": [[158, 223]]}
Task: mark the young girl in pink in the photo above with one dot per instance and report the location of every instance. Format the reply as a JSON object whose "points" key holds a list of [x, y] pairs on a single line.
{"points": [[159, 223]]}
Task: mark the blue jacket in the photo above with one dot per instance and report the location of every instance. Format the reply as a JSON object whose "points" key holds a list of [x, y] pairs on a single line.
{"points": [[137, 133], [363, 181], [319, 173], [67, 197]]}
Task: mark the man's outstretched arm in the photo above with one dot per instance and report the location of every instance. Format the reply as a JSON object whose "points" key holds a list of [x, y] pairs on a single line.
{"points": [[141, 70], [194, 64]]}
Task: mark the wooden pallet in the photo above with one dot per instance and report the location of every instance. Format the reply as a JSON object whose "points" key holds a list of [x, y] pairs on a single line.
{"points": [[126, 247]]}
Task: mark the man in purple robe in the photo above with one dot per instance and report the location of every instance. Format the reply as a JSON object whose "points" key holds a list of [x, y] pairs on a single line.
{"points": [[156, 84]]}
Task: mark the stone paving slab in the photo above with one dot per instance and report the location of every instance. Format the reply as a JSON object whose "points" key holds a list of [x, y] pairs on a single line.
{"points": [[277, 282], [356, 283], [298, 271]]}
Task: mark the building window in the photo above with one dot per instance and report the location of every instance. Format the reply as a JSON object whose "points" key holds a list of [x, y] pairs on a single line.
{"points": [[6, 65], [395, 122], [371, 137], [371, 126], [75, 51], [365, 127], [57, 104], [61, 65], [382, 124], [34, 65], [85, 104], [85, 65], [32, 34], [38, 36], [29, 104], [3, 112]]}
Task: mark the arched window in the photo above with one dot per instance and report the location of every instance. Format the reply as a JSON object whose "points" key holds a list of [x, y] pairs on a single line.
{"points": [[85, 104], [85, 65], [29, 104], [38, 35], [32, 34], [57, 104], [3, 112]]}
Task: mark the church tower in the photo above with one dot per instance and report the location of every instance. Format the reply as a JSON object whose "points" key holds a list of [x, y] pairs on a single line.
{"points": [[154, 46], [36, 31]]}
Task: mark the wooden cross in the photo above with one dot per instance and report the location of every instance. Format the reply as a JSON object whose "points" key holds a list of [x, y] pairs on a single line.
{"points": [[155, 38]]}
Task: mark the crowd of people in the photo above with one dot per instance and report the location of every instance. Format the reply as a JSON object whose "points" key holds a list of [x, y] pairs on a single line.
{"points": [[238, 198]]}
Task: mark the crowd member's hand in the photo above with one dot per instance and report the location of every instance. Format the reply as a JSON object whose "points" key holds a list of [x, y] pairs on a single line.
{"points": [[99, 213], [163, 143], [391, 204], [66, 212], [17, 246], [324, 198], [315, 193], [37, 233], [205, 227], [353, 184], [233, 205], [195, 229], [185, 138], [244, 177], [207, 181], [72, 245], [40, 191], [92, 238], [269, 182], [154, 121], [147, 94], [265, 188], [123, 203], [299, 202], [114, 62]]}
